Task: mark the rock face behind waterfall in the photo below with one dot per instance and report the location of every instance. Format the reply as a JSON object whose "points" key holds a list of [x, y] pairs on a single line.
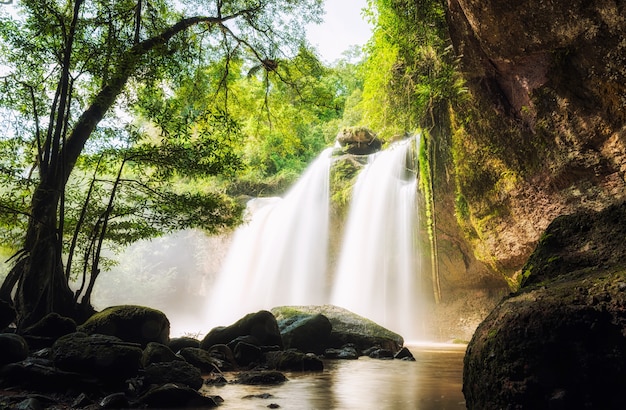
{"points": [[560, 342]]}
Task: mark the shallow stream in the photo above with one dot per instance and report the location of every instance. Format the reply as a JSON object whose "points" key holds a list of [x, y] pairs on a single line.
{"points": [[432, 382]]}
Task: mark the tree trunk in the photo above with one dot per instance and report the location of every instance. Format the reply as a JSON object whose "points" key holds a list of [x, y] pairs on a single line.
{"points": [[42, 287]]}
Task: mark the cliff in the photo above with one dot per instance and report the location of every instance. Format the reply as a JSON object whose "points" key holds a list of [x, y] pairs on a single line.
{"points": [[541, 134]]}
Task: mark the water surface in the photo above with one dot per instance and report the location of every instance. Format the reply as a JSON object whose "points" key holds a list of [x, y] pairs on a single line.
{"points": [[432, 382]]}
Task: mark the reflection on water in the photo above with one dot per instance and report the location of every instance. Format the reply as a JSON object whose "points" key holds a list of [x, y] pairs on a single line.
{"points": [[432, 382]]}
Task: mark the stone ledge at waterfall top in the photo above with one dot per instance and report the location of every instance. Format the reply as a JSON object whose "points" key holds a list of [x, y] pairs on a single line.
{"points": [[347, 327], [358, 141]]}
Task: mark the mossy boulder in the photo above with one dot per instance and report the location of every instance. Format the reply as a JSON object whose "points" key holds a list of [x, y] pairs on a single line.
{"points": [[347, 327], [559, 342], [137, 324]]}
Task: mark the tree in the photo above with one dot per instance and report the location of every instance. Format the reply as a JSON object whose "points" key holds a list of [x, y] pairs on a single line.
{"points": [[68, 64]]}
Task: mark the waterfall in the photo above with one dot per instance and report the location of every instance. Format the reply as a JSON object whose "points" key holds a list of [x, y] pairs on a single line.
{"points": [[377, 274], [279, 257]]}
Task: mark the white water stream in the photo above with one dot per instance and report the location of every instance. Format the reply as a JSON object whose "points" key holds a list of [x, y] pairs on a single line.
{"points": [[280, 257]]}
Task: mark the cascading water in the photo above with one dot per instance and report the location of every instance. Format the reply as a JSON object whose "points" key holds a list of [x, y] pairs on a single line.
{"points": [[280, 256], [377, 275]]}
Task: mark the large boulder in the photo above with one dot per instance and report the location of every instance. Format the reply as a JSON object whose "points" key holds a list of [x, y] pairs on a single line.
{"points": [[137, 324], [560, 342], [358, 141], [308, 333], [106, 357], [347, 327], [261, 326]]}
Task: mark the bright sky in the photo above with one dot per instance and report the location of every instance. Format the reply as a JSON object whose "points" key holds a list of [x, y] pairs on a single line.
{"points": [[342, 28]]}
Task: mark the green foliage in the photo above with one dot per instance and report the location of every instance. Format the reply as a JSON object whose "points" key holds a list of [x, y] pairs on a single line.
{"points": [[410, 70], [120, 124]]}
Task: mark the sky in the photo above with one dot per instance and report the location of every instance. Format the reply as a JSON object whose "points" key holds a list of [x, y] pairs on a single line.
{"points": [[342, 28]]}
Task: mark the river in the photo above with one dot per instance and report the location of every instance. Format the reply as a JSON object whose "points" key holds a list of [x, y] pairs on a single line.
{"points": [[432, 382]]}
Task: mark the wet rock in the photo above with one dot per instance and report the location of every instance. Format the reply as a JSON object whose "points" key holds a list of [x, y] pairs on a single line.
{"points": [[293, 360], [13, 348], [347, 327], [106, 357], [171, 395], [51, 327], [156, 353], [307, 333], [201, 359], [224, 355], [246, 354], [381, 354], [137, 324], [405, 354], [215, 380], [267, 377], [178, 343], [260, 325], [173, 372], [347, 352]]}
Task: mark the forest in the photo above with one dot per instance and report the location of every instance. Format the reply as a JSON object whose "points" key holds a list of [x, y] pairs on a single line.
{"points": [[129, 120]]}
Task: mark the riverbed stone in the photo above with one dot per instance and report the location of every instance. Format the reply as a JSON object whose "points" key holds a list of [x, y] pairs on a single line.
{"points": [[173, 372], [293, 360], [201, 359], [261, 377], [260, 325], [347, 352], [137, 324], [157, 353], [103, 356]]}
